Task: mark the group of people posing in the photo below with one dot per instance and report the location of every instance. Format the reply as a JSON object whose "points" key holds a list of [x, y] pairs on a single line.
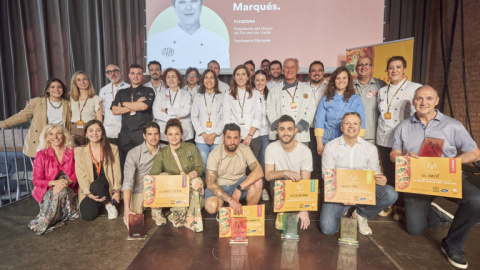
{"points": [[233, 140]]}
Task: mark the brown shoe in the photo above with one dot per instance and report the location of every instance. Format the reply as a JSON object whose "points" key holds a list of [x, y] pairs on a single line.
{"points": [[398, 214]]}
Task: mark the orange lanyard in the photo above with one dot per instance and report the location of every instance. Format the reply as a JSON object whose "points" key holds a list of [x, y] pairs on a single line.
{"points": [[98, 165]]}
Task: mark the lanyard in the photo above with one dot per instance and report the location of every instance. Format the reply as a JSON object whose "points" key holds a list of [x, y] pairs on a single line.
{"points": [[81, 110], [293, 96], [242, 105], [170, 97], [388, 89], [211, 105], [98, 164]]}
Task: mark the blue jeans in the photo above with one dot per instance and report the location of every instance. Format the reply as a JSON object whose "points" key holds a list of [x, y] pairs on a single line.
{"points": [[261, 156], [419, 216], [229, 189], [204, 150], [332, 212]]}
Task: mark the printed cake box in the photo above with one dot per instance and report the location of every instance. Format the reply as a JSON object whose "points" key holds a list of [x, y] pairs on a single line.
{"points": [[166, 191], [429, 175], [349, 186], [255, 215], [296, 196]]}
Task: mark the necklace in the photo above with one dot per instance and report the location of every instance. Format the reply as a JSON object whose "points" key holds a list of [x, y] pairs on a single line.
{"points": [[55, 107]]}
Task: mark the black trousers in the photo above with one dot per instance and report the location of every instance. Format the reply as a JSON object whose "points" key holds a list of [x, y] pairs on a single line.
{"points": [[89, 208]]}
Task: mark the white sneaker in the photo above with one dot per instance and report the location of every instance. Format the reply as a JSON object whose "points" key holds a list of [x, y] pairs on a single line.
{"points": [[265, 195], [112, 211], [363, 227]]}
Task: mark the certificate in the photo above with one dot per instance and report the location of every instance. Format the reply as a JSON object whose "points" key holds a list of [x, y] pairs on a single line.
{"points": [[295, 196], [429, 176], [350, 186], [166, 191], [255, 215]]}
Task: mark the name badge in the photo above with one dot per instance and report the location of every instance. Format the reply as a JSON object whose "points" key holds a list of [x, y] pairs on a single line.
{"points": [[208, 125], [80, 124], [388, 116], [293, 107], [133, 112], [241, 121]]}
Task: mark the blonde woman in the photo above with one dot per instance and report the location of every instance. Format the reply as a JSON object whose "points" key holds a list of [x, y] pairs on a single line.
{"points": [[54, 179], [85, 105]]}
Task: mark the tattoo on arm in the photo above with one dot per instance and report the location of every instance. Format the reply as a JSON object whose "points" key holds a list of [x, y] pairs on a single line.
{"points": [[252, 166], [214, 187]]}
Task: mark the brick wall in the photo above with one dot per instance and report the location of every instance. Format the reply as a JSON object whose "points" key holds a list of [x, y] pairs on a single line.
{"points": [[435, 73]]}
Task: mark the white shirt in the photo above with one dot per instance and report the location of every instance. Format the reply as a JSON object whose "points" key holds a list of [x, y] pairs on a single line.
{"points": [[112, 123], [178, 49], [223, 87], [265, 126], [193, 91], [54, 116], [272, 83], [400, 99], [300, 159], [179, 104], [160, 87], [362, 156], [200, 116], [252, 112]]}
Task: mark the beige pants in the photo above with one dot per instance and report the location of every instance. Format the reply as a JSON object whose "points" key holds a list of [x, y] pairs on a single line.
{"points": [[136, 203]]}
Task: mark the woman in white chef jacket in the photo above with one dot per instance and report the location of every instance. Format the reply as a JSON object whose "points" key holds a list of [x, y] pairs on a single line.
{"points": [[206, 114], [242, 107], [173, 102]]}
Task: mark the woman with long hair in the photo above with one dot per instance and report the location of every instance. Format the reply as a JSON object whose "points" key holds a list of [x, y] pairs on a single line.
{"points": [[85, 104], [97, 165], [260, 82], [53, 107], [54, 179], [339, 98], [173, 103], [182, 158], [207, 115], [242, 107]]}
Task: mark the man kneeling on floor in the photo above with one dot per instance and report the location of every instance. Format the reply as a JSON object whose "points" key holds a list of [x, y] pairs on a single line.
{"points": [[349, 151], [287, 159], [226, 174], [420, 212]]}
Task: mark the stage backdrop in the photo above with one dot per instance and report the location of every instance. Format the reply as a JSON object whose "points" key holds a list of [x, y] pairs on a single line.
{"points": [[309, 30], [380, 53]]}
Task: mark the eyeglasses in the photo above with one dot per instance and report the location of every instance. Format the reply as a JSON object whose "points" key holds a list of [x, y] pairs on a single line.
{"points": [[109, 72], [364, 65]]}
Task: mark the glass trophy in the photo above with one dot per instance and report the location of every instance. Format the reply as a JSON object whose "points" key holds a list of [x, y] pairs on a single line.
{"points": [[290, 226], [348, 231], [239, 230], [136, 227]]}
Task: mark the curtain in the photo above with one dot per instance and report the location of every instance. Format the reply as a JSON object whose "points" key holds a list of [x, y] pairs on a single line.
{"points": [[55, 38]]}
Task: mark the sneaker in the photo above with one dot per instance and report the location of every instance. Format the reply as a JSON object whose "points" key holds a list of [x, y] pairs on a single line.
{"points": [[386, 212], [456, 260], [112, 211], [443, 215], [398, 214], [362, 224], [265, 195], [279, 222], [157, 215]]}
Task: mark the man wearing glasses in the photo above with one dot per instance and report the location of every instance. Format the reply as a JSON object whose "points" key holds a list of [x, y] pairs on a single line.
{"points": [[367, 87], [112, 123]]}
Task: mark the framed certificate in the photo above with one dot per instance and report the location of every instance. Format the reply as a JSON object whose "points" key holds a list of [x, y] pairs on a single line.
{"points": [[429, 176], [295, 196], [255, 215], [350, 186], [166, 191]]}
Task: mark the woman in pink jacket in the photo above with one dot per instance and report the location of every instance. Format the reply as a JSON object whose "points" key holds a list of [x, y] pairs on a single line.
{"points": [[54, 180]]}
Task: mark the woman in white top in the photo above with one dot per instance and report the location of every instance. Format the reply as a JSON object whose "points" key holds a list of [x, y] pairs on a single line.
{"points": [[242, 107], [192, 76], [85, 105], [173, 102], [260, 82], [394, 105], [207, 115]]}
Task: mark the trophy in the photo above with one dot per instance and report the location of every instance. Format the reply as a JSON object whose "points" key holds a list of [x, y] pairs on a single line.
{"points": [[348, 231], [290, 226], [239, 230]]}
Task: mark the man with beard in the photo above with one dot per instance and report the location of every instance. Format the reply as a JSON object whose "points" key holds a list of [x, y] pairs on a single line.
{"points": [[276, 73], [155, 72], [265, 66], [112, 123], [226, 174], [287, 159]]}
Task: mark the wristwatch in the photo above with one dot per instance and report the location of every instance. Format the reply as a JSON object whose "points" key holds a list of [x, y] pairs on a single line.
{"points": [[240, 188]]}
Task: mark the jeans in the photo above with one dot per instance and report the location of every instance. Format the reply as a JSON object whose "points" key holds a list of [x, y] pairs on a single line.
{"points": [[332, 212], [204, 150], [261, 156], [419, 215]]}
